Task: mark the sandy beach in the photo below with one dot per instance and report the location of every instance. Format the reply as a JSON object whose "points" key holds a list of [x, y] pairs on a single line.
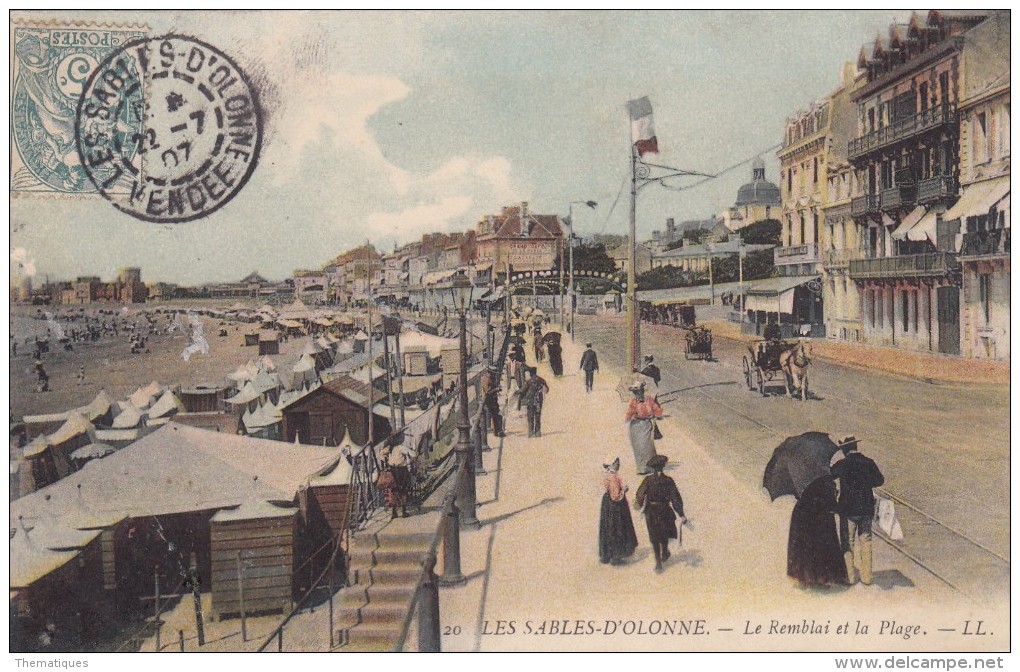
{"points": [[110, 365]]}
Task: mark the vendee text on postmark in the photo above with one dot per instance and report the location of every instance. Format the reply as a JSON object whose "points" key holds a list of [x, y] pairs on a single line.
{"points": [[201, 133], [49, 67]]}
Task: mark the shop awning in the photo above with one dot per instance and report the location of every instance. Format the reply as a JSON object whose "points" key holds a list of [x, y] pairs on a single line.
{"points": [[775, 294], [494, 295], [924, 229], [908, 222], [979, 198]]}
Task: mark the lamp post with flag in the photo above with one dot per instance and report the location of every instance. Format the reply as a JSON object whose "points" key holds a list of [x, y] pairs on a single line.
{"points": [[643, 141]]}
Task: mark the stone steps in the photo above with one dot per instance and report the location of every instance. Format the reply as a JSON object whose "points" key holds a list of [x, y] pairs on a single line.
{"points": [[386, 567]]}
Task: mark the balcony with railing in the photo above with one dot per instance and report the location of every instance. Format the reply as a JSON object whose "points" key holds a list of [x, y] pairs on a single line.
{"points": [[906, 266], [865, 205], [985, 243], [797, 254], [938, 188], [902, 129], [899, 197]]}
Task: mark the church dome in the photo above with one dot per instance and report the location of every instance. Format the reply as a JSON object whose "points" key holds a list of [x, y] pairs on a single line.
{"points": [[758, 191]]}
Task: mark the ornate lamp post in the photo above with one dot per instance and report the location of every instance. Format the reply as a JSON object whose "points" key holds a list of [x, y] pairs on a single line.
{"points": [[461, 291]]}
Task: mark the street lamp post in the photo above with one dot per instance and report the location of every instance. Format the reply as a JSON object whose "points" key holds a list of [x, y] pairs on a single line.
{"points": [[570, 228], [461, 291]]}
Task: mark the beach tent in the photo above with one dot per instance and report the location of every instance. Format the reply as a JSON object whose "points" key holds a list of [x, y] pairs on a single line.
{"points": [[266, 364], [129, 417], [140, 399], [245, 395], [167, 406]]}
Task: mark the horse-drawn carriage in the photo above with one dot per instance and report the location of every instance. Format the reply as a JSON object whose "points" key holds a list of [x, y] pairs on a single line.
{"points": [[698, 343], [777, 362]]}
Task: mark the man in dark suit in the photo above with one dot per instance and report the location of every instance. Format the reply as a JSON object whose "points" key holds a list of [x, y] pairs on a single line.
{"points": [[858, 476], [533, 396], [589, 364]]}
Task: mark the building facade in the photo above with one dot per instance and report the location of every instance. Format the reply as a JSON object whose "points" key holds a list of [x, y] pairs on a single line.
{"points": [[982, 214], [906, 155], [757, 200], [520, 239]]}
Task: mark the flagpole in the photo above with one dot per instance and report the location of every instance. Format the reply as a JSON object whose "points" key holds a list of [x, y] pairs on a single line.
{"points": [[633, 317]]}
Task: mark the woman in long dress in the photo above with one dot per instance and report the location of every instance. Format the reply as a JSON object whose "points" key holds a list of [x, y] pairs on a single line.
{"points": [[813, 555], [617, 537], [641, 414], [555, 351]]}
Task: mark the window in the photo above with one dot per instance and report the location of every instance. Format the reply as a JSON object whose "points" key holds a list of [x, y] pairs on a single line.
{"points": [[915, 297], [871, 120], [923, 94], [816, 170], [870, 300], [1002, 132], [814, 228], [905, 308], [985, 292], [789, 180], [980, 130], [803, 226]]}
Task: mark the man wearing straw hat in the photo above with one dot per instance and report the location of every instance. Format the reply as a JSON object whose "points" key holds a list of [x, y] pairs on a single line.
{"points": [[858, 476]]}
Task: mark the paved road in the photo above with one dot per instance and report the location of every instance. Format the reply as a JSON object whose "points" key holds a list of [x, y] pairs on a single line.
{"points": [[943, 448]]}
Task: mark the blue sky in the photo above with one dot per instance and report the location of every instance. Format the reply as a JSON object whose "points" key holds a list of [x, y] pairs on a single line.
{"points": [[384, 126]]}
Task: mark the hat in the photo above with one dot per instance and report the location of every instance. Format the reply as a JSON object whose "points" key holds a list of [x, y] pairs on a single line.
{"points": [[611, 461], [636, 385], [847, 440], [657, 462], [649, 358], [587, 345]]}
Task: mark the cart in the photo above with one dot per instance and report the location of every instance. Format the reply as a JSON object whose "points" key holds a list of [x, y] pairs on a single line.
{"points": [[698, 343], [763, 369]]}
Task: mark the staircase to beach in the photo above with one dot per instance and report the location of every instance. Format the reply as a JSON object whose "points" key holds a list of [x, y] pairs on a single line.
{"points": [[385, 568]]}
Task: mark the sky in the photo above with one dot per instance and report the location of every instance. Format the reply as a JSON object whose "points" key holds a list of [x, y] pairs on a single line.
{"points": [[384, 126]]}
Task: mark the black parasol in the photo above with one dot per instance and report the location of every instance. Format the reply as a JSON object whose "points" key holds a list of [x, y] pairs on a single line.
{"points": [[552, 337], [796, 462]]}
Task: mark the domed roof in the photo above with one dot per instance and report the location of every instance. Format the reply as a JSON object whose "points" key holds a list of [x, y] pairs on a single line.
{"points": [[758, 191]]}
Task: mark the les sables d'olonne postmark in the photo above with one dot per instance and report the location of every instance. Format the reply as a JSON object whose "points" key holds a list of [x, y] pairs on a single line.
{"points": [[201, 136], [51, 63]]}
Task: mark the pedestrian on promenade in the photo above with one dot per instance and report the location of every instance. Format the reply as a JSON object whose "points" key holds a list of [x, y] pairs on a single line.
{"points": [[660, 500], [518, 364], [533, 397], [490, 394], [813, 555], [651, 370], [81, 375], [858, 476], [617, 538], [400, 460], [555, 351], [589, 364], [539, 347], [641, 414]]}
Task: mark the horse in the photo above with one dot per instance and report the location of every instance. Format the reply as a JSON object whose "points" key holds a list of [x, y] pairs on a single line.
{"points": [[794, 364]]}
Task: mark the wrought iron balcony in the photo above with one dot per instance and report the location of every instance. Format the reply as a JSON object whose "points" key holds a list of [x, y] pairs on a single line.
{"points": [[938, 188], [899, 197], [865, 205], [985, 243], [906, 266], [796, 254], [902, 129]]}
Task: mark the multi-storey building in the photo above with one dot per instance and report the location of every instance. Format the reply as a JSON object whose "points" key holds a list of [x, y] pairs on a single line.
{"points": [[906, 155], [840, 236], [525, 241], [982, 213]]}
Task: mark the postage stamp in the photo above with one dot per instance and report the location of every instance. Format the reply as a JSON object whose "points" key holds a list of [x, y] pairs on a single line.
{"points": [[200, 135], [49, 67]]}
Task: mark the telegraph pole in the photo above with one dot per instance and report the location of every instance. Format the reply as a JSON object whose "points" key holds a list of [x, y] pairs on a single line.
{"points": [[633, 314]]}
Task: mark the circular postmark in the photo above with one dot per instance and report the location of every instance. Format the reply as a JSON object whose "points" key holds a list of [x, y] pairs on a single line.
{"points": [[200, 133]]}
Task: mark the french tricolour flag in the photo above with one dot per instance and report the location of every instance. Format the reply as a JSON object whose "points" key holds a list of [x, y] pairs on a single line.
{"points": [[642, 126]]}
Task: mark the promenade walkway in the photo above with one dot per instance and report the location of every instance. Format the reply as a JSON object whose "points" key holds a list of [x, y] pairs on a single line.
{"points": [[535, 582]]}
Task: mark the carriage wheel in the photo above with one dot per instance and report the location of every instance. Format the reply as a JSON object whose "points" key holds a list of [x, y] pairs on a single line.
{"points": [[761, 383], [747, 373]]}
